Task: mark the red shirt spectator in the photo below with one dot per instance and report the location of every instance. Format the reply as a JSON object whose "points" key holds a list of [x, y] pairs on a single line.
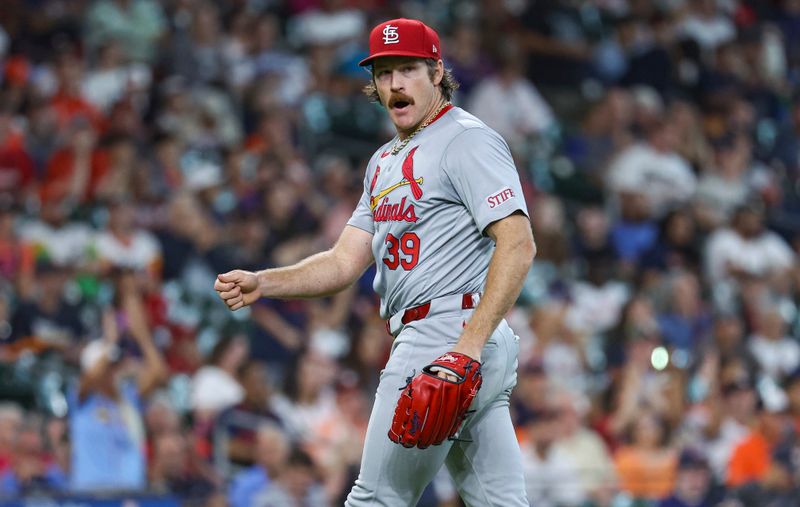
{"points": [[76, 170], [16, 166]]}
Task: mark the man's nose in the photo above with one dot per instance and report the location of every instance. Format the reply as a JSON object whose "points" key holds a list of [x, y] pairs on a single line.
{"points": [[398, 82]]}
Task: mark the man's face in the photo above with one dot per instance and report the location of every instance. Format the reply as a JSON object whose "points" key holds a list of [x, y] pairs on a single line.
{"points": [[406, 89]]}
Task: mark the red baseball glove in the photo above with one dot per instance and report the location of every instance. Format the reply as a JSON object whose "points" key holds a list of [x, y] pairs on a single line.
{"points": [[431, 408]]}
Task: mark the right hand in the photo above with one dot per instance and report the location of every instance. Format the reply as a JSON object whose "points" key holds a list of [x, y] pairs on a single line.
{"points": [[237, 288]]}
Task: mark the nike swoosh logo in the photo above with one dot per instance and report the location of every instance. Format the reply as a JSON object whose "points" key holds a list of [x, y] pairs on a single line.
{"points": [[384, 154]]}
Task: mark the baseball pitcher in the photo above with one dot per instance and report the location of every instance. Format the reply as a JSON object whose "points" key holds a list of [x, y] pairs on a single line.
{"points": [[443, 217]]}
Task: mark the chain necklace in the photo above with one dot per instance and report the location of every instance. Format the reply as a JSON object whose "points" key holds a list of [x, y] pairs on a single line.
{"points": [[399, 145]]}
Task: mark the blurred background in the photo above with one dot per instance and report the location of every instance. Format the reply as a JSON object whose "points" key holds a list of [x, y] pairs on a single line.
{"points": [[146, 146]]}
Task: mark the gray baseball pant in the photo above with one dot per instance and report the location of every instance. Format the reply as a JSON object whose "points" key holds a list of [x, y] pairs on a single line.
{"points": [[484, 461]]}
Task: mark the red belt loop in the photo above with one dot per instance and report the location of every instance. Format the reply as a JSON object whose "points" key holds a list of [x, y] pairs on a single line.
{"points": [[416, 313], [468, 301]]}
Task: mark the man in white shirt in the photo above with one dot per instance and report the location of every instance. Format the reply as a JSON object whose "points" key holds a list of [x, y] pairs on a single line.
{"points": [[655, 170], [747, 249], [551, 476]]}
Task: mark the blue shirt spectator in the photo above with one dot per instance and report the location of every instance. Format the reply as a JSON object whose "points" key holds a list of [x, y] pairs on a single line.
{"points": [[51, 479], [108, 441], [271, 455], [246, 485], [632, 239]]}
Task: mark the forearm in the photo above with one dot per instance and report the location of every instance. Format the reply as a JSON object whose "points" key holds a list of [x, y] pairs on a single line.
{"points": [[318, 275], [322, 274], [507, 271]]}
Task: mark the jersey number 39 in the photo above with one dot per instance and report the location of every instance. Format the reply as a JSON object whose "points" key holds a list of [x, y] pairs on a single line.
{"points": [[403, 252]]}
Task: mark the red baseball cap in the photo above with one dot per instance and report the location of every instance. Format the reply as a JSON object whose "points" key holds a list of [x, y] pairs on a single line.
{"points": [[403, 37]]}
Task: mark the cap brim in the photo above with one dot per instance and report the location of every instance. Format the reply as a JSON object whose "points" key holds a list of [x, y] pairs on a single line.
{"points": [[366, 61]]}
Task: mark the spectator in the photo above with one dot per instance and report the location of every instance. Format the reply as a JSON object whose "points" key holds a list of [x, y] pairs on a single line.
{"points": [[753, 459], [646, 466], [583, 446], [560, 349], [310, 398], [724, 186], [686, 323], [54, 237], [106, 426], [124, 246], [635, 232], [777, 353], [49, 320], [677, 245], [215, 386], [69, 104], [654, 171], [551, 476], [175, 470], [271, 454], [113, 78], [138, 24], [532, 395], [707, 25], [294, 484], [510, 104], [692, 483], [746, 249], [254, 409], [75, 171], [17, 169], [731, 424], [33, 472], [469, 63], [17, 262], [198, 54], [11, 419]]}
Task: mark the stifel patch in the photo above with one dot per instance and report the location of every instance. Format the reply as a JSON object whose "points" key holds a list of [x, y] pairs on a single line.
{"points": [[500, 197]]}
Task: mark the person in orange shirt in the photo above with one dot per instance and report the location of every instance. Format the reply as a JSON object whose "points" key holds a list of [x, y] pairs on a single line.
{"points": [[751, 460], [646, 466]]}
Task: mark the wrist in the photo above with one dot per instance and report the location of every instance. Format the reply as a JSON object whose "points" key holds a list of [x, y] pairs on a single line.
{"points": [[469, 349], [262, 283]]}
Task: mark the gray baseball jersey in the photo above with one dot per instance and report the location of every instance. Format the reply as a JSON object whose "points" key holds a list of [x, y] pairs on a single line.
{"points": [[428, 207]]}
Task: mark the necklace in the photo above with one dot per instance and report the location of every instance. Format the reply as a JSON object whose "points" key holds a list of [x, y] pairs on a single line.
{"points": [[399, 145]]}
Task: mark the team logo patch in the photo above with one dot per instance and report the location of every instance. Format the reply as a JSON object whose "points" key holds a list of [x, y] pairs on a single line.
{"points": [[390, 35], [500, 197]]}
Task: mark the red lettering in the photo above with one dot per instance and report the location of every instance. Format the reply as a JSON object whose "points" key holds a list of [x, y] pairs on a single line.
{"points": [[500, 197], [397, 212]]}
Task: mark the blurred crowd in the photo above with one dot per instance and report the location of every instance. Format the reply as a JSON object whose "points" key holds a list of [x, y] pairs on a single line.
{"points": [[147, 145]]}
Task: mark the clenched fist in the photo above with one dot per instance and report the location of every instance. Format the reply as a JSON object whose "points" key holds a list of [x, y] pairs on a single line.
{"points": [[238, 288]]}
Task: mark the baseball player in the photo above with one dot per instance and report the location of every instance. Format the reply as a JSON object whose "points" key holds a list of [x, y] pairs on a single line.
{"points": [[443, 217]]}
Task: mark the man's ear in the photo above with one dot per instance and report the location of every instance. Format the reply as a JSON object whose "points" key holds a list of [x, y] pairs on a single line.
{"points": [[438, 74]]}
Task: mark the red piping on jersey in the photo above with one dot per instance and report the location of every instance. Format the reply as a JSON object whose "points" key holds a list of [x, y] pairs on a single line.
{"points": [[441, 113]]}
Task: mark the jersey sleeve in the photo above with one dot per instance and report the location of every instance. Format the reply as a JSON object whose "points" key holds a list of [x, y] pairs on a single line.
{"points": [[479, 166], [362, 215]]}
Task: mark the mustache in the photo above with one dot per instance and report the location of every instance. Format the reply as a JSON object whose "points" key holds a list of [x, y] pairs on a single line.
{"points": [[399, 97]]}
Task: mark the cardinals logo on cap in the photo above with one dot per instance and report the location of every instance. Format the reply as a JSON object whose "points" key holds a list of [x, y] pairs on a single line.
{"points": [[390, 35]]}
